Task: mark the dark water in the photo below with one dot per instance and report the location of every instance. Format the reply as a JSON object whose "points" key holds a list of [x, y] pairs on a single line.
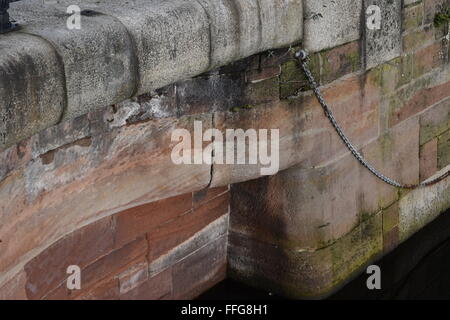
{"points": [[417, 269]]}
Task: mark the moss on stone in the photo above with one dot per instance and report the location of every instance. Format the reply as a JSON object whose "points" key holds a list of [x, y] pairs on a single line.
{"points": [[292, 79], [442, 17], [244, 107], [356, 250]]}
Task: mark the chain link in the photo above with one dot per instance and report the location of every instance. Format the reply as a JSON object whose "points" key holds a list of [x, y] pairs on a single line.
{"points": [[303, 58]]}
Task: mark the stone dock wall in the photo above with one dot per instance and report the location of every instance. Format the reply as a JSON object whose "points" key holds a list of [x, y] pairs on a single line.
{"points": [[86, 175]]}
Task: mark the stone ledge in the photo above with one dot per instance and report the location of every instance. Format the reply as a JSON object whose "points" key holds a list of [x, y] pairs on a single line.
{"points": [[124, 50]]}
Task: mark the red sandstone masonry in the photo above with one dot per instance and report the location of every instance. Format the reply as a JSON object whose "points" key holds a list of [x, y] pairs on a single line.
{"points": [[113, 252], [327, 201], [303, 127], [173, 233], [390, 228], [133, 277], [434, 121], [201, 270], [429, 58], [46, 271], [340, 61], [420, 101], [428, 159], [98, 161], [431, 7], [137, 221], [14, 289], [106, 290], [157, 287], [104, 270]]}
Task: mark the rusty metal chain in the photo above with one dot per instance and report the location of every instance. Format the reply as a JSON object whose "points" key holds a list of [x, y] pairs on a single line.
{"points": [[303, 58]]}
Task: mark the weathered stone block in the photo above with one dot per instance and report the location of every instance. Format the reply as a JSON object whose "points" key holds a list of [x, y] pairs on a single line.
{"points": [[413, 17], [410, 2], [395, 73], [292, 79], [101, 276], [50, 216], [434, 121], [80, 248], [135, 222], [203, 196], [429, 58], [418, 38], [416, 97], [428, 159], [395, 154], [386, 43], [299, 209], [444, 150], [301, 273], [331, 23], [189, 229], [390, 228], [311, 208], [114, 263], [302, 126], [338, 62], [390, 217], [157, 287], [281, 23], [211, 93], [432, 7], [201, 270], [106, 290], [242, 28], [133, 277], [98, 59], [423, 205], [169, 257], [170, 38], [390, 240], [14, 289], [31, 87]]}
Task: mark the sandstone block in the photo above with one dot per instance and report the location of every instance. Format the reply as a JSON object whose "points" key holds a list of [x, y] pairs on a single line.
{"points": [[428, 159], [423, 205], [48, 269], [444, 150], [331, 23], [98, 59], [201, 270], [434, 121], [157, 287], [31, 87], [383, 44], [301, 274], [186, 229], [135, 222]]}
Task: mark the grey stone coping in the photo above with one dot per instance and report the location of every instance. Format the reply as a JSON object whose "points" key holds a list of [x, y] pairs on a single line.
{"points": [[49, 73]]}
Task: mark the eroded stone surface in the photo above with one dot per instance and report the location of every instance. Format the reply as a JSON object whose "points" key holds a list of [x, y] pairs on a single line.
{"points": [[423, 205], [31, 87], [330, 23], [122, 50], [89, 171], [99, 59], [305, 274], [386, 43]]}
